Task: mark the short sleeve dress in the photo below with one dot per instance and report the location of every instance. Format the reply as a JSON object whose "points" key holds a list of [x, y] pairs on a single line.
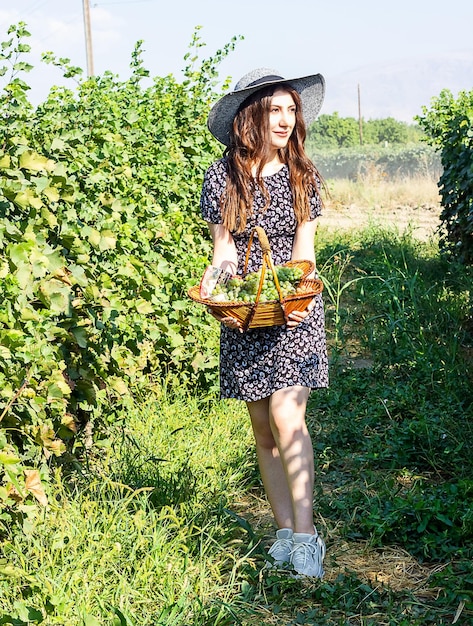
{"points": [[261, 361]]}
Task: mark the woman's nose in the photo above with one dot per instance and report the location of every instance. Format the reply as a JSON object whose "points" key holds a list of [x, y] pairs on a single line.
{"points": [[283, 120]]}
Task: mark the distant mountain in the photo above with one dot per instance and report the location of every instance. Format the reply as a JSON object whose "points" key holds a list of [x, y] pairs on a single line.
{"points": [[397, 89]]}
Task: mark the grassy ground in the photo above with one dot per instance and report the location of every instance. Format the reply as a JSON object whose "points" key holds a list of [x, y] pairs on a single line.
{"points": [[143, 537], [168, 524]]}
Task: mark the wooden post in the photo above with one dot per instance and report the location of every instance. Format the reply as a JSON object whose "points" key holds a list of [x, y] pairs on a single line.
{"points": [[88, 38], [360, 121]]}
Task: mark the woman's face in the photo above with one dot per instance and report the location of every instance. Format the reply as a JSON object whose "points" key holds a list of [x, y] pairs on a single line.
{"points": [[282, 118]]}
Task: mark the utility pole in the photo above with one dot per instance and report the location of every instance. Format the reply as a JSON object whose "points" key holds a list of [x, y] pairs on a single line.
{"points": [[88, 38], [360, 122]]}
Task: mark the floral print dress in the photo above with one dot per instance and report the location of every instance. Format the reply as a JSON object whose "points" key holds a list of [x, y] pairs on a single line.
{"points": [[260, 361]]}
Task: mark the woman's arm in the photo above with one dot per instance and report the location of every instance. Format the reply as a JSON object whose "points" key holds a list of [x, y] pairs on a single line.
{"points": [[224, 253], [303, 249], [303, 245], [224, 256]]}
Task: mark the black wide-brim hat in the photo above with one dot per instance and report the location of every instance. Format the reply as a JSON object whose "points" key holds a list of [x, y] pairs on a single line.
{"points": [[310, 88]]}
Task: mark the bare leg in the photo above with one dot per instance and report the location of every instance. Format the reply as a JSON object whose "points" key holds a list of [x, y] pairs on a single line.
{"points": [[285, 456], [272, 471], [287, 415]]}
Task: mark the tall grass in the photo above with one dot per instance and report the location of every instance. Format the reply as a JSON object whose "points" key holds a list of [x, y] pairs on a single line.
{"points": [[168, 524], [145, 539]]}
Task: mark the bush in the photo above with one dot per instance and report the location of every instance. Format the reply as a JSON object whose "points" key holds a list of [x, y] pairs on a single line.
{"points": [[449, 124], [99, 241]]}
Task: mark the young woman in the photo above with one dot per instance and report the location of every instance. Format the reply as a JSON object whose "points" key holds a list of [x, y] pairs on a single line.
{"points": [[266, 179]]}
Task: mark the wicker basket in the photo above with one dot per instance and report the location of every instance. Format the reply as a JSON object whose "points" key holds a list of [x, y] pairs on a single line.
{"points": [[272, 313]]}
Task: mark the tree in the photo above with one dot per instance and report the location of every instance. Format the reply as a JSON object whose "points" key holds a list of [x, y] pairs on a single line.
{"points": [[385, 131], [333, 131]]}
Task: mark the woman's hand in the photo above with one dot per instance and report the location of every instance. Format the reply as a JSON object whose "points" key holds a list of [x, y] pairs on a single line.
{"points": [[296, 317], [229, 322]]}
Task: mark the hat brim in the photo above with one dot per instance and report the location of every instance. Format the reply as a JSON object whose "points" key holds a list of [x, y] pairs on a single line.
{"points": [[310, 88]]}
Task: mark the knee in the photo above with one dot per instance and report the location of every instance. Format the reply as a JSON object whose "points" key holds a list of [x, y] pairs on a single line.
{"points": [[287, 409], [287, 426], [264, 437]]}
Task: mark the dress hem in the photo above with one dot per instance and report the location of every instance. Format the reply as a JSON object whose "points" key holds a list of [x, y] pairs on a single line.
{"points": [[235, 397]]}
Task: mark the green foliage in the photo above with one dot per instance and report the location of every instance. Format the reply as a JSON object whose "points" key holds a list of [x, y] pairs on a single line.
{"points": [[449, 125], [144, 541], [14, 102], [398, 432], [393, 149], [171, 526], [99, 241], [387, 131], [333, 131]]}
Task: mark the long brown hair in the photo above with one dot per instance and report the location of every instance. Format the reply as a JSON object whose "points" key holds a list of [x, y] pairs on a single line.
{"points": [[249, 144]]}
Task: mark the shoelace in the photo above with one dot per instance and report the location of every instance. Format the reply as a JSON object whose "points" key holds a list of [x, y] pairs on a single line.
{"points": [[317, 550], [279, 545]]}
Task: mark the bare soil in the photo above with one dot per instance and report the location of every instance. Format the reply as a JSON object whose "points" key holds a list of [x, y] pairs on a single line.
{"points": [[422, 221]]}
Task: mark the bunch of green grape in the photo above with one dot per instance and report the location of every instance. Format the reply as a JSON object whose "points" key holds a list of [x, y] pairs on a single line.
{"points": [[245, 289]]}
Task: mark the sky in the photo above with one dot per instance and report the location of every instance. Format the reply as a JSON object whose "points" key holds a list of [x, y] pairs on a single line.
{"points": [[387, 52]]}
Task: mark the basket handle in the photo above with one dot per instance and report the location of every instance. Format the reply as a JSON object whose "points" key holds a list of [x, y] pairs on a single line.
{"points": [[263, 239], [267, 263], [264, 243]]}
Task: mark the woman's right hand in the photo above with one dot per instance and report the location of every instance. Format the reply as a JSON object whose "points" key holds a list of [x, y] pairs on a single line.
{"points": [[228, 321]]}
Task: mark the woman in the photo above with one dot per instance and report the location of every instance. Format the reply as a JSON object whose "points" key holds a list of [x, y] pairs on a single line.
{"points": [[266, 179]]}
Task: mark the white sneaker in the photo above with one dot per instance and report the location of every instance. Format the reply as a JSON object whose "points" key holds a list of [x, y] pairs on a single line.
{"points": [[307, 555], [281, 548]]}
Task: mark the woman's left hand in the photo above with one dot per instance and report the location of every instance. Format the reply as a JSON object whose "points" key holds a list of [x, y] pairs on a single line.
{"points": [[296, 317]]}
